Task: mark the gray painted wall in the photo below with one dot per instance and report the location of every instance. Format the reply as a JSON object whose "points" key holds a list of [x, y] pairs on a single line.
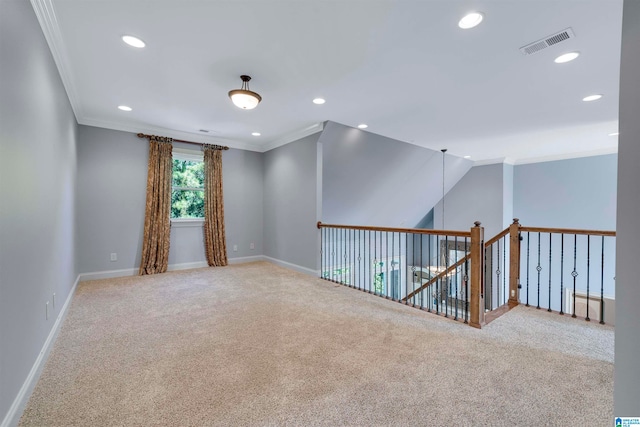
{"points": [[290, 203], [112, 176], [627, 346], [112, 183], [478, 196], [243, 173], [507, 194], [575, 193], [37, 194], [368, 179]]}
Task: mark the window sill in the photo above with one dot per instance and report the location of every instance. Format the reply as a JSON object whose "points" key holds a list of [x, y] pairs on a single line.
{"points": [[191, 222]]}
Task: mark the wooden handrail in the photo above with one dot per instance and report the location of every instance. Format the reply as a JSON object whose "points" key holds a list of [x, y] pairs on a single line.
{"points": [[435, 278], [452, 233], [495, 238], [569, 231]]}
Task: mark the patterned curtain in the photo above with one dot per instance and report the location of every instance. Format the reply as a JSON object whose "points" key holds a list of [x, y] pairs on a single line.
{"points": [[157, 225], [214, 236]]}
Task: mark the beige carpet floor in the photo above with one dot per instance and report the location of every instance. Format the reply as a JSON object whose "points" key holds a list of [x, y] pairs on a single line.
{"points": [[259, 345]]}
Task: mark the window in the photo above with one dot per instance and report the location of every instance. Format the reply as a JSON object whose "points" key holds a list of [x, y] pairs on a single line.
{"points": [[187, 192]]}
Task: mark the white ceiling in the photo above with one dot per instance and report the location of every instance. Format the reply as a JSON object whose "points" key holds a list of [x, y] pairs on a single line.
{"points": [[401, 66]]}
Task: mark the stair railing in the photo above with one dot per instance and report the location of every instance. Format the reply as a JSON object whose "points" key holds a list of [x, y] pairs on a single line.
{"points": [[456, 274], [438, 271]]}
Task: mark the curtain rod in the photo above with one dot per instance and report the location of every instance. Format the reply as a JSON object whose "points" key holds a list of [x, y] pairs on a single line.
{"points": [[218, 147]]}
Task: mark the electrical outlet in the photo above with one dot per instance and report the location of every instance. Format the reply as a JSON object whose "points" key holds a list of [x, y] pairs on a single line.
{"points": [[114, 256], [47, 311], [235, 248], [252, 245]]}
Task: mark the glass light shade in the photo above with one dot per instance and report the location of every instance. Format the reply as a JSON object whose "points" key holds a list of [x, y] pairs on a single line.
{"points": [[245, 99]]}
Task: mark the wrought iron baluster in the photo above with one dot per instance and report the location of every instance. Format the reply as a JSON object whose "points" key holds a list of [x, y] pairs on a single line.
{"points": [[392, 288], [444, 289], [602, 285], [466, 282], [369, 262], [345, 253], [386, 265], [332, 260], [561, 272], [428, 289], [439, 281], [539, 268], [574, 273], [375, 261], [588, 273], [528, 241], [421, 272], [455, 245], [504, 270], [413, 264], [549, 306], [321, 253], [498, 272], [488, 274]]}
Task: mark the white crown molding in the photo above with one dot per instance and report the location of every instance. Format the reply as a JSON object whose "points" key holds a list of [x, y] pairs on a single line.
{"points": [[154, 130], [46, 15], [294, 136], [490, 161], [568, 156]]}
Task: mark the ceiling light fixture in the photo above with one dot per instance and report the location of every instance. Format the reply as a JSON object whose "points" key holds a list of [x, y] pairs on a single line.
{"points": [[124, 108], [566, 57], [614, 134], [133, 41], [255, 133], [471, 20], [467, 157], [362, 126], [243, 97], [319, 101], [592, 98]]}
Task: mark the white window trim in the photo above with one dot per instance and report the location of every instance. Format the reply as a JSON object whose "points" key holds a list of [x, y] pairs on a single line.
{"points": [[194, 156], [187, 222], [185, 154]]}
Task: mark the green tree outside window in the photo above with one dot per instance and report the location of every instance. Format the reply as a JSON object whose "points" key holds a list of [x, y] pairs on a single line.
{"points": [[187, 195]]}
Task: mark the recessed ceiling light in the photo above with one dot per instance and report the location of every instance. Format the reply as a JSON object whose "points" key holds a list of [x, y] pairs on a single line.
{"points": [[566, 57], [614, 134], [133, 41], [470, 20], [362, 126], [319, 101], [124, 108], [256, 134], [467, 157], [592, 98]]}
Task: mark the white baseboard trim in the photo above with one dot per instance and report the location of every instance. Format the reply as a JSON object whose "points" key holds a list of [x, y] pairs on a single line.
{"points": [[110, 274], [304, 270], [246, 259], [15, 411], [187, 266]]}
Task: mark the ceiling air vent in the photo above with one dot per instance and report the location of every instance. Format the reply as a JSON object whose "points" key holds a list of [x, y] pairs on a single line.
{"points": [[547, 41]]}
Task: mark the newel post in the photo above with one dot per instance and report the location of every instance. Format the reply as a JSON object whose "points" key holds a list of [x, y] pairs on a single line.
{"points": [[476, 315], [514, 263]]}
